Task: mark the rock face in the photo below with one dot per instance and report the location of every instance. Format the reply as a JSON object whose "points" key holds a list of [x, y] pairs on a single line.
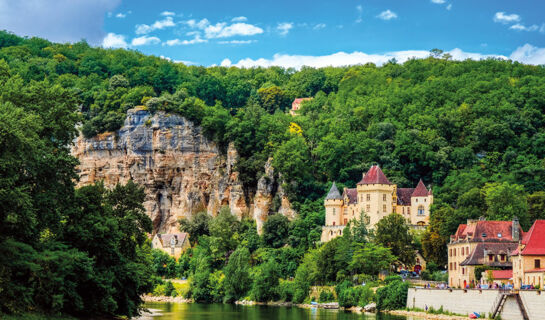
{"points": [[182, 172]]}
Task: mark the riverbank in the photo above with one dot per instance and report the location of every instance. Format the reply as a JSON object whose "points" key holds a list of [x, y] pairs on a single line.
{"points": [[150, 298], [425, 315]]}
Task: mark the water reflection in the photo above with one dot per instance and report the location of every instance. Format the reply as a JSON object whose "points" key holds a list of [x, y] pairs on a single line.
{"points": [[195, 311]]}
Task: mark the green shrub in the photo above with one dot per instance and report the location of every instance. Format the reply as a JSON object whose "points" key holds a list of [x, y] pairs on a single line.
{"points": [[286, 290], [393, 296], [326, 296], [349, 296], [170, 291], [389, 279]]}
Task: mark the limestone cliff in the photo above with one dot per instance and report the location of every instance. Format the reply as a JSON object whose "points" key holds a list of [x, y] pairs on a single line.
{"points": [[181, 170]]}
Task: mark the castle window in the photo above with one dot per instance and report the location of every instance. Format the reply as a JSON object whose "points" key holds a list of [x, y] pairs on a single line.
{"points": [[408, 210], [345, 221], [537, 263], [420, 210], [333, 222], [424, 199], [368, 197], [368, 208], [383, 197], [333, 211], [383, 208], [416, 200]]}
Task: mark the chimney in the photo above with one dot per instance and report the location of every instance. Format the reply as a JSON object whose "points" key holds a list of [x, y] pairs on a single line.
{"points": [[515, 229]]}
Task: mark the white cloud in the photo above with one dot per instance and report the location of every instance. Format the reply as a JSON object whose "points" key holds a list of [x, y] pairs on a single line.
{"points": [[521, 27], [237, 42], [178, 42], [284, 27], [354, 58], [186, 62], [239, 19], [359, 8], [505, 18], [168, 13], [121, 15], [222, 30], [529, 54], [387, 15], [145, 41], [59, 20], [202, 24], [449, 6], [225, 63], [113, 40], [157, 25], [438, 1], [319, 26]]}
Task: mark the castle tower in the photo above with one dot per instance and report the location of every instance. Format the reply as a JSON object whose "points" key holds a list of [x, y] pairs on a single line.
{"points": [[376, 195], [421, 200], [333, 207]]}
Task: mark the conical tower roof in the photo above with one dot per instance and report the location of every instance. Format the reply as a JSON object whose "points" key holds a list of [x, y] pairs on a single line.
{"points": [[420, 190], [333, 193], [374, 176]]}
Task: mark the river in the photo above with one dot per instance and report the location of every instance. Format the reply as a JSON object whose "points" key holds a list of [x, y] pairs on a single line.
{"points": [[196, 311]]}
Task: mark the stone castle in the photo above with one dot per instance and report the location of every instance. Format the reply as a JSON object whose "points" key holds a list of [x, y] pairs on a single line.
{"points": [[376, 197]]}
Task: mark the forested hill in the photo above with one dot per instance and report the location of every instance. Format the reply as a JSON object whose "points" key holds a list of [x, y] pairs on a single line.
{"points": [[472, 129]]}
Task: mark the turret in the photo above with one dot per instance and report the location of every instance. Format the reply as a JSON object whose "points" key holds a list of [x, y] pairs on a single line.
{"points": [[515, 232], [333, 207]]}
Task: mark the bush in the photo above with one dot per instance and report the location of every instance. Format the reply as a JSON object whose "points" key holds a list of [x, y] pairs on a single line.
{"points": [[286, 290], [393, 296], [170, 291], [389, 279], [349, 296], [326, 296]]}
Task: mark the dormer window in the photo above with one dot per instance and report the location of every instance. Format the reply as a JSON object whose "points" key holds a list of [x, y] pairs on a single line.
{"points": [[483, 235], [491, 257], [499, 235]]}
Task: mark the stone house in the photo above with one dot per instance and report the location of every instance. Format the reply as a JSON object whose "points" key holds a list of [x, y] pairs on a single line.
{"points": [[174, 244], [480, 243], [296, 105], [529, 257], [498, 277], [377, 197]]}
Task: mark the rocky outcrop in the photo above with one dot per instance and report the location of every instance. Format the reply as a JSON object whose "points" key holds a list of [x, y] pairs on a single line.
{"points": [[181, 170]]}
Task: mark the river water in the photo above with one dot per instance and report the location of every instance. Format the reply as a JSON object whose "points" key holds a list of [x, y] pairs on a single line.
{"points": [[196, 311]]}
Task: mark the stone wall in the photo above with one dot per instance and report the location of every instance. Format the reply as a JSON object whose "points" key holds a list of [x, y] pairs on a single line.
{"points": [[181, 170], [481, 301], [534, 301]]}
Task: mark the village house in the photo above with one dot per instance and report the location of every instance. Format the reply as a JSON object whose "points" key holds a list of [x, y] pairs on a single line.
{"points": [[174, 244], [529, 258], [376, 197], [480, 243], [497, 277], [296, 105]]}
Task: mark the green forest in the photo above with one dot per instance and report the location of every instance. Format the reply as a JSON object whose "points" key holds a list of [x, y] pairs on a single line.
{"points": [[473, 130]]}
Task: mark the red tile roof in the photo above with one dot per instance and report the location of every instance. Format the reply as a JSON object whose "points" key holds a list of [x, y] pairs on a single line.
{"points": [[534, 240], [404, 196], [374, 176], [352, 195], [166, 237], [297, 103], [502, 274], [487, 231], [420, 190]]}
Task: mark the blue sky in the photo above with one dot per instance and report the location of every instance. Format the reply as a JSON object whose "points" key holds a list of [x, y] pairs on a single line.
{"points": [[290, 33]]}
